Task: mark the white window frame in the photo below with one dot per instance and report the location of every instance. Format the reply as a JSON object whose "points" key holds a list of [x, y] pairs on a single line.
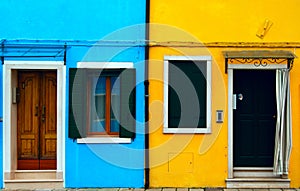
{"points": [[104, 65], [208, 60]]}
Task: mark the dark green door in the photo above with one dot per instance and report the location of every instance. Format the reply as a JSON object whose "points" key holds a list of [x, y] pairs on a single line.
{"points": [[254, 118]]}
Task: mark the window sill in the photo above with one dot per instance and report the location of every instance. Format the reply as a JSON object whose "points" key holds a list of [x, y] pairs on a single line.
{"points": [[186, 130], [98, 140]]}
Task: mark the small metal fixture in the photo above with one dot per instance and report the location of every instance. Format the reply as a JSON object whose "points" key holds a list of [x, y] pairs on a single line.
{"points": [[14, 95], [234, 101], [219, 116], [240, 97], [264, 28]]}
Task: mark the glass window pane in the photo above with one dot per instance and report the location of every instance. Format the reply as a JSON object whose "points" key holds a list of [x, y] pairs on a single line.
{"points": [[97, 126], [100, 106], [97, 98], [114, 126]]}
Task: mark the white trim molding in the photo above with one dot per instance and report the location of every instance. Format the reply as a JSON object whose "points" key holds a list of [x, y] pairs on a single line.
{"points": [[254, 67], [230, 122], [249, 177], [9, 113], [104, 65], [103, 140], [208, 60]]}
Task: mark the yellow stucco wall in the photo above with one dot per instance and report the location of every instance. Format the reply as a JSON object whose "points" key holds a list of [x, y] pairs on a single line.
{"points": [[230, 20], [179, 28]]}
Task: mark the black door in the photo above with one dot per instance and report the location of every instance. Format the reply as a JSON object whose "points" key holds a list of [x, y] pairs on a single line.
{"points": [[254, 118]]}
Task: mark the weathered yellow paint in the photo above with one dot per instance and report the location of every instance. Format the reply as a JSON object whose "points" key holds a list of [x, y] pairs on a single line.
{"points": [[181, 160]]}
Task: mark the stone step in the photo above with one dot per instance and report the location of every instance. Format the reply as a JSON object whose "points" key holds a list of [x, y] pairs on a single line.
{"points": [[242, 172], [33, 179], [249, 182], [35, 174], [33, 184]]}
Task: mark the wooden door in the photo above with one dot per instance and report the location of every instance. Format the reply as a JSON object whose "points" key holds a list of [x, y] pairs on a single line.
{"points": [[36, 140], [254, 118]]}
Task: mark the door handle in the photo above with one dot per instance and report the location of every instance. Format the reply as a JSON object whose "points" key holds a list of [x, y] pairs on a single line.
{"points": [[235, 97], [43, 113], [36, 110]]}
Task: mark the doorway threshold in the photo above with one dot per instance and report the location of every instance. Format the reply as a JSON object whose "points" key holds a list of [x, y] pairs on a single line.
{"points": [[258, 183], [39, 179], [256, 177], [254, 172]]}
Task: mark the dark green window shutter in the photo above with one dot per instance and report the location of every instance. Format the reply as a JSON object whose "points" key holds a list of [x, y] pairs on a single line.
{"points": [[77, 103], [174, 108], [128, 99], [195, 72]]}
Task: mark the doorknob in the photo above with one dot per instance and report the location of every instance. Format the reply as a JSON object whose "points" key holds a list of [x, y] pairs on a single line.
{"points": [[240, 97]]}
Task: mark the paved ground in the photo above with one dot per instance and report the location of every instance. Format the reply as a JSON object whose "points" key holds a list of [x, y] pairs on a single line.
{"points": [[156, 189]]}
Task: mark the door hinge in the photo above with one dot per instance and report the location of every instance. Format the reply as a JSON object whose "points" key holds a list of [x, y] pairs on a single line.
{"points": [[15, 95], [234, 101], [18, 95]]}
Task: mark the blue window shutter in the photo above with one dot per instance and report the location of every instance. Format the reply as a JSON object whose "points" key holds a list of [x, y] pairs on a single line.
{"points": [[77, 103], [127, 102]]}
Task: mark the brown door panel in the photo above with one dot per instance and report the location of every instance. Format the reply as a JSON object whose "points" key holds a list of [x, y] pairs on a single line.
{"points": [[48, 118], [29, 164], [28, 121], [47, 164], [37, 119]]}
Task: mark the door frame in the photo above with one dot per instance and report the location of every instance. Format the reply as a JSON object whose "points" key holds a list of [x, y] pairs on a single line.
{"points": [[10, 109], [230, 70]]}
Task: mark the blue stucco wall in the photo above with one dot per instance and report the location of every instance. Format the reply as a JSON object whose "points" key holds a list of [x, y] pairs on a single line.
{"points": [[1, 130], [110, 165], [93, 165], [65, 19]]}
